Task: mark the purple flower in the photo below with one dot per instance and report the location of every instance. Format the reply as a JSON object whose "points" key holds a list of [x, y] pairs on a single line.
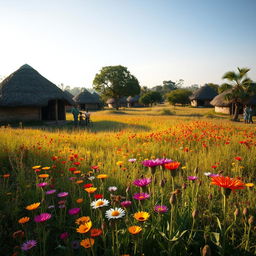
{"points": [[141, 196], [142, 182], [75, 244], [72, 178], [28, 245], [74, 211], [62, 206], [126, 204], [42, 217], [50, 192], [64, 236], [132, 160], [43, 184], [192, 178], [62, 194], [156, 162], [160, 209]]}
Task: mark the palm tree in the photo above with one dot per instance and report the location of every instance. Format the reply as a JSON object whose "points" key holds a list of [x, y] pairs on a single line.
{"points": [[241, 86]]}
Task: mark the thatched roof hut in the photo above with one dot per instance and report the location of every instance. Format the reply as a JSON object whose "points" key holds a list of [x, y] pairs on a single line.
{"points": [[27, 95], [112, 103], [203, 96], [87, 100], [221, 104], [133, 101]]}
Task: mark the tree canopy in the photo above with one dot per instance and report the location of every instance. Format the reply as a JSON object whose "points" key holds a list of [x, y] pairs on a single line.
{"points": [[179, 96], [116, 82], [150, 98]]}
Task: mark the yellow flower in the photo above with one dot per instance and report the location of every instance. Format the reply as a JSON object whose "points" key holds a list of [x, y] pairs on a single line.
{"points": [[141, 216], [32, 207], [24, 220], [46, 168], [183, 167], [90, 190], [84, 228], [83, 220], [119, 163], [134, 230], [87, 243], [36, 167], [43, 175], [249, 185], [79, 200], [102, 176]]}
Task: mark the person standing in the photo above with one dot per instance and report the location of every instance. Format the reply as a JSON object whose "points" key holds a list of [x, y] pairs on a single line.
{"points": [[250, 115], [75, 112], [246, 114]]}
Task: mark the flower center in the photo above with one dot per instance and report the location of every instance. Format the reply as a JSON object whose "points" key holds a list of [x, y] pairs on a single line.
{"points": [[141, 218], [99, 203], [115, 213]]}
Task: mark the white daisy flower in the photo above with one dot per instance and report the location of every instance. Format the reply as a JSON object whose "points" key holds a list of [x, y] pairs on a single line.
{"points": [[99, 203], [207, 174], [91, 178], [115, 213], [112, 189]]}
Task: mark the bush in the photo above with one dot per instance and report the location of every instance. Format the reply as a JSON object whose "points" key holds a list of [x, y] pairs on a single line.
{"points": [[179, 96]]}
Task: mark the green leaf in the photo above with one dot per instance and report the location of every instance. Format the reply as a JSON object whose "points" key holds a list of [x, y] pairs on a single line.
{"points": [[219, 224]]}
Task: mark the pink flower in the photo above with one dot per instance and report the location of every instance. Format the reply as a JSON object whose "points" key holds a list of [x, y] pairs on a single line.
{"points": [[142, 182], [74, 211], [141, 196], [126, 203], [64, 236], [62, 194], [28, 245], [43, 184], [42, 217], [160, 209], [192, 178]]}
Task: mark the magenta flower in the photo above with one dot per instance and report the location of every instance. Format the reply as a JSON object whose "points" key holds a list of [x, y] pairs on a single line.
{"points": [[74, 211], [42, 217], [160, 209], [126, 204], [192, 178], [142, 182], [28, 245], [132, 160], [50, 192], [64, 236], [141, 196], [156, 162], [43, 184], [62, 194]]}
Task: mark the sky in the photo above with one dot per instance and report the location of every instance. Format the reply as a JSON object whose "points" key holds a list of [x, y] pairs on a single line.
{"points": [[69, 41]]}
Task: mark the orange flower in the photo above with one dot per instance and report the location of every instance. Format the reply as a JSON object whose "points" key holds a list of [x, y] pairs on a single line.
{"points": [[102, 176], [36, 167], [43, 175], [24, 220], [83, 220], [79, 200], [46, 168], [141, 216], [32, 207], [96, 232], [134, 230], [79, 181], [90, 190], [172, 165], [84, 228], [7, 175], [77, 172], [87, 243]]}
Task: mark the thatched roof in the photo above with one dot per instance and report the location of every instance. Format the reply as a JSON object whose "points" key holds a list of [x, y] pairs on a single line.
{"points": [[26, 87], [206, 92], [131, 99], [85, 97], [220, 100]]}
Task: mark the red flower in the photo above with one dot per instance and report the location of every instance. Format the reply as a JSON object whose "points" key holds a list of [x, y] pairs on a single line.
{"points": [[227, 182], [72, 169], [63, 162], [54, 158], [172, 165], [238, 158], [89, 185], [96, 232], [95, 167], [76, 163], [98, 196], [214, 166]]}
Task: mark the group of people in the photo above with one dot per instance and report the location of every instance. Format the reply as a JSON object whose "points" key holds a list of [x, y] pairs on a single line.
{"points": [[80, 118], [248, 114]]}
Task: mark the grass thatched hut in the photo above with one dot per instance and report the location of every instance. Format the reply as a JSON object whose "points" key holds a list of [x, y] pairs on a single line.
{"points": [[111, 102], [133, 101], [27, 95], [221, 104], [203, 96], [87, 100]]}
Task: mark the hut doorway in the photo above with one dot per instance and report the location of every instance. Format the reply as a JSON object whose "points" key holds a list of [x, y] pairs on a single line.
{"points": [[55, 110]]}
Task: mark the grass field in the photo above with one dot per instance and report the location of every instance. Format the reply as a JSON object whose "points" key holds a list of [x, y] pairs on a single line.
{"points": [[67, 191]]}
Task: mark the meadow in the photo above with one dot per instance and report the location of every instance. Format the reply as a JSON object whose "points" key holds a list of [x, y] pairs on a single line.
{"points": [[160, 181]]}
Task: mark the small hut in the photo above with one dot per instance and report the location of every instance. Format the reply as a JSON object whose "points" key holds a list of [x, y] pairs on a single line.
{"points": [[27, 95], [133, 101], [87, 100], [221, 104], [203, 96], [111, 102]]}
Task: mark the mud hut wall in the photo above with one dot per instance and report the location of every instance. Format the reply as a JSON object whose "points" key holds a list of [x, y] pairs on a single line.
{"points": [[20, 113], [223, 110], [194, 103]]}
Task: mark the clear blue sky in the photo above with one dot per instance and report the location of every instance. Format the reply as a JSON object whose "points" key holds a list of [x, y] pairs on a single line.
{"points": [[68, 41]]}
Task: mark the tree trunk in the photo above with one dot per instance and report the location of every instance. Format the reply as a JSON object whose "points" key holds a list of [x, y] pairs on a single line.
{"points": [[236, 113]]}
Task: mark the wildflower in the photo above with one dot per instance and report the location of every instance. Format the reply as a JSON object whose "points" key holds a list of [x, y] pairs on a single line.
{"points": [[28, 245], [46, 168], [79, 200], [72, 169], [152, 163], [88, 185], [90, 190], [132, 160], [134, 230], [142, 182], [7, 175], [126, 203], [141, 216], [18, 234], [51, 207], [172, 166], [96, 232], [87, 243], [207, 174], [42, 217], [24, 220], [42, 184], [141, 196], [62, 194], [119, 163], [50, 192], [64, 236], [238, 158], [74, 211], [83, 220], [99, 203], [112, 189], [192, 178], [102, 176], [98, 196], [76, 163], [45, 175], [227, 182], [36, 167], [79, 181], [160, 209], [91, 178], [84, 228], [32, 207], [249, 185], [115, 213]]}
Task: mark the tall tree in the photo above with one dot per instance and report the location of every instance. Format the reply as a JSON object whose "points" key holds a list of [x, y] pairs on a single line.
{"points": [[241, 86], [116, 82]]}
